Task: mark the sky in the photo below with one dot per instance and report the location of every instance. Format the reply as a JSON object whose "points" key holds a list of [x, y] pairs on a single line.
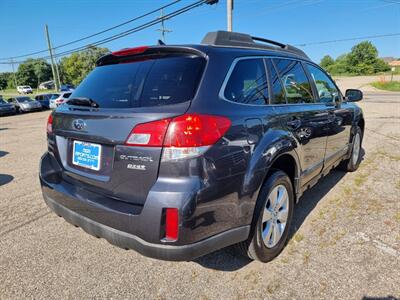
{"points": [[288, 21]]}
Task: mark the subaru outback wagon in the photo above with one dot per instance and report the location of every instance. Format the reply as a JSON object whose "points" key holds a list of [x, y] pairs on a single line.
{"points": [[177, 151]]}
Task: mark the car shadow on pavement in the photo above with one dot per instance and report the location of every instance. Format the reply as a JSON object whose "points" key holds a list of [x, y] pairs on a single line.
{"points": [[5, 178], [228, 259], [3, 153]]}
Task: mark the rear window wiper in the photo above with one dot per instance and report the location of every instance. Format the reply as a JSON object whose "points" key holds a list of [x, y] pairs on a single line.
{"points": [[82, 101]]}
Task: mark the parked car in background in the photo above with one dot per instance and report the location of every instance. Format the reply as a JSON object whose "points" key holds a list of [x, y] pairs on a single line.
{"points": [[47, 85], [44, 99], [6, 108], [67, 88], [25, 104], [59, 99], [24, 89]]}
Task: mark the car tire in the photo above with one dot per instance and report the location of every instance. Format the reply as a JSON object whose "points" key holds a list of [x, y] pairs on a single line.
{"points": [[351, 164], [269, 233]]}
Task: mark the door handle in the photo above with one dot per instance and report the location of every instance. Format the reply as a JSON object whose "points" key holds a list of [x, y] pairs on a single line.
{"points": [[294, 124]]}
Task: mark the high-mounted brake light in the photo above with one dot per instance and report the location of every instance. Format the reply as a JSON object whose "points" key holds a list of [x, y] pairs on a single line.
{"points": [[185, 136], [50, 124], [171, 224], [130, 51]]}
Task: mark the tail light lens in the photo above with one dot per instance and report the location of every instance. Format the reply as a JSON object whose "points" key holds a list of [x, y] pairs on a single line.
{"points": [[50, 124], [193, 130], [148, 134], [181, 137], [171, 224]]}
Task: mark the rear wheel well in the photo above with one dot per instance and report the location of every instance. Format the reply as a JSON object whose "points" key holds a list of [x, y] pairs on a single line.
{"points": [[287, 164]]}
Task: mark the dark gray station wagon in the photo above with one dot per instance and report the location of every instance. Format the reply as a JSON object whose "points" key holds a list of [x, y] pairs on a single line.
{"points": [[177, 151]]}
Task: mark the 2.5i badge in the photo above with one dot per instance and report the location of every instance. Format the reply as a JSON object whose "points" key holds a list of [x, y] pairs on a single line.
{"points": [[136, 167]]}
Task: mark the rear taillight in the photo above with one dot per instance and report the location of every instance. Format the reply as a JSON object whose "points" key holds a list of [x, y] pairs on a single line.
{"points": [[171, 224], [185, 136], [194, 130], [148, 134], [50, 124]]}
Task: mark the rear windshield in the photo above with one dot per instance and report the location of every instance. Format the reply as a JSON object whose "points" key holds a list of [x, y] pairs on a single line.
{"points": [[152, 82], [66, 95]]}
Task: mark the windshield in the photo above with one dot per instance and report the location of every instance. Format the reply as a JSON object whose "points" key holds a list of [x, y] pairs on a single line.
{"points": [[152, 82], [24, 99], [54, 96], [2, 101]]}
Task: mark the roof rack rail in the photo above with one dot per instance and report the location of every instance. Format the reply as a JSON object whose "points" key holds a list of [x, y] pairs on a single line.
{"points": [[236, 39]]}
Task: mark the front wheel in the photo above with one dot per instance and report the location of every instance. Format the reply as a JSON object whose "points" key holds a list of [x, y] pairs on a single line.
{"points": [[273, 215], [352, 164]]}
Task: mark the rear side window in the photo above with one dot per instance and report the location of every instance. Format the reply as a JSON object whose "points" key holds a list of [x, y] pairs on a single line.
{"points": [[151, 82], [295, 81], [247, 83], [327, 91]]}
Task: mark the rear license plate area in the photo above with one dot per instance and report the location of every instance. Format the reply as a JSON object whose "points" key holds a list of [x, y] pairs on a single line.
{"points": [[86, 155]]}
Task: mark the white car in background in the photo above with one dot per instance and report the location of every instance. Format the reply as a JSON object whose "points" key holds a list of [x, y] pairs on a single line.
{"points": [[58, 99], [24, 89]]}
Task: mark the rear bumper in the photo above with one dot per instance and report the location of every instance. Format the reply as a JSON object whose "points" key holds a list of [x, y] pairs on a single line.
{"points": [[126, 225]]}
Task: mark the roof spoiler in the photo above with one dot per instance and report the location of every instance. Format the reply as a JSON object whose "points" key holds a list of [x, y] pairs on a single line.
{"points": [[227, 38], [129, 54]]}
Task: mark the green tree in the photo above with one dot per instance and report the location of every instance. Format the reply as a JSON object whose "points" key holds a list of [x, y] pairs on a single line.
{"points": [[33, 71], [363, 59], [340, 66], [4, 77], [326, 61], [75, 67]]}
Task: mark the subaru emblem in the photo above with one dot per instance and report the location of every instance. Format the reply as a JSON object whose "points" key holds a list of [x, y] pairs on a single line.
{"points": [[79, 124]]}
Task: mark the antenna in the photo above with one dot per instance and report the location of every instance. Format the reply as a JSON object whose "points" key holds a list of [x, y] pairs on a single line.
{"points": [[163, 30]]}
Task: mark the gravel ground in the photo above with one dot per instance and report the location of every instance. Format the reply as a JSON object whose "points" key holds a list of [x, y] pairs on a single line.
{"points": [[345, 241]]}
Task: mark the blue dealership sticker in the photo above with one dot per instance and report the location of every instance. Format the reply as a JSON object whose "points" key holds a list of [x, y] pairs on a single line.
{"points": [[86, 155]]}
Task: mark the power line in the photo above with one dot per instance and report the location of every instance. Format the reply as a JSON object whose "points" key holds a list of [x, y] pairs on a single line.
{"points": [[349, 39], [128, 32], [97, 33]]}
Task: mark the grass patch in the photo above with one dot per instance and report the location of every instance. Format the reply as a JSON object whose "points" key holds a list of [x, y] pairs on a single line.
{"points": [[397, 216], [393, 86], [306, 257], [8, 93], [360, 179], [298, 237]]}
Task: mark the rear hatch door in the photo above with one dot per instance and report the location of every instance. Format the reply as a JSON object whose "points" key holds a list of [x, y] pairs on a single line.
{"points": [[91, 138]]}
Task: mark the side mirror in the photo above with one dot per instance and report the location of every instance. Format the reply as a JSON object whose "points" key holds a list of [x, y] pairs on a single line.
{"points": [[353, 95]]}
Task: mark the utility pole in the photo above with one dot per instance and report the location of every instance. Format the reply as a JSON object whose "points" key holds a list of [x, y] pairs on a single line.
{"points": [[163, 30], [57, 72], [53, 65], [229, 8], [15, 78]]}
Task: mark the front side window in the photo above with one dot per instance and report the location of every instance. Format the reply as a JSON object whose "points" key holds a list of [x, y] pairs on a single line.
{"points": [[327, 91], [248, 83], [295, 81]]}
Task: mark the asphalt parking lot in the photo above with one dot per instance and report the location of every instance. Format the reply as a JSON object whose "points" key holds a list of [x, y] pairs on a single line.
{"points": [[345, 242]]}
